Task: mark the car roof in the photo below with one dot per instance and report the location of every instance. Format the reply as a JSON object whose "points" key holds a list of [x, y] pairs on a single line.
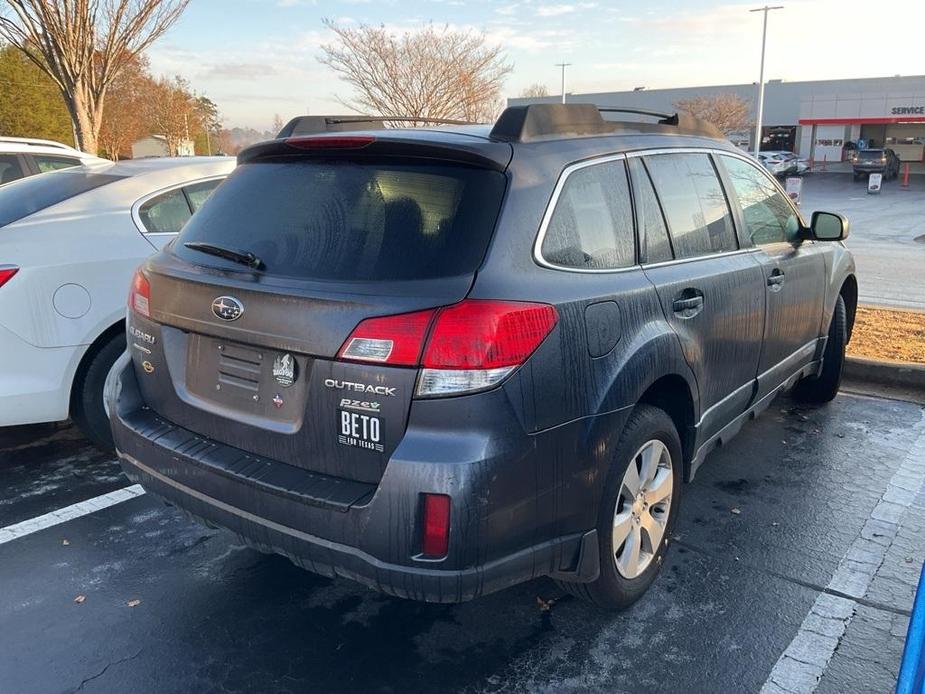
{"points": [[138, 167], [36, 146]]}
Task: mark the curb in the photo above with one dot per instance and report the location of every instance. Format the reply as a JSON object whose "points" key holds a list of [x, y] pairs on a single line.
{"points": [[890, 373]]}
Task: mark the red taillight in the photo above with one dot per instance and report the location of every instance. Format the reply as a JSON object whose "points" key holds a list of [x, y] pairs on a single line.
{"points": [[477, 334], [139, 296], [469, 346], [6, 273], [436, 538], [349, 142], [395, 340]]}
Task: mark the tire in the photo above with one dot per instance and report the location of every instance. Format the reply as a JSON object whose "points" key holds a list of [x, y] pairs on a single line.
{"points": [[824, 387], [87, 404], [857, 177], [615, 587]]}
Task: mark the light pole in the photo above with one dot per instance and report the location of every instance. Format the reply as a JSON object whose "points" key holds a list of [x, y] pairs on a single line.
{"points": [[764, 37], [563, 66]]}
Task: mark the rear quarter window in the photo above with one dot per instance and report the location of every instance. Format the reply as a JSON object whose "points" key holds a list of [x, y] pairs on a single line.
{"points": [[35, 193], [591, 227], [351, 220]]}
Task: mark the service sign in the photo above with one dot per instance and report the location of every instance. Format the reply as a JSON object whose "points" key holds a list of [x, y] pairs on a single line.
{"points": [[794, 188], [873, 183]]}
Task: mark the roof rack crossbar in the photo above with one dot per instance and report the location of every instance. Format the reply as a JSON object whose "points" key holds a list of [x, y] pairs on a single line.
{"points": [[638, 111], [548, 121]]}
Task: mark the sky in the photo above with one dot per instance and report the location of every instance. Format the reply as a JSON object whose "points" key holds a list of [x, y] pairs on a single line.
{"points": [[259, 58]]}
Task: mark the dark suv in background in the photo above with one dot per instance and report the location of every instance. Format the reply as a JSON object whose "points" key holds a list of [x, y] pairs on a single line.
{"points": [[443, 361], [882, 161]]}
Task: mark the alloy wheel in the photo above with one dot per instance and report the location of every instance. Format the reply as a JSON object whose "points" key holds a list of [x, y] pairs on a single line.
{"points": [[643, 504]]}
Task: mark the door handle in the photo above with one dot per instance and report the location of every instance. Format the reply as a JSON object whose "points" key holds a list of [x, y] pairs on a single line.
{"points": [[776, 280], [688, 305]]}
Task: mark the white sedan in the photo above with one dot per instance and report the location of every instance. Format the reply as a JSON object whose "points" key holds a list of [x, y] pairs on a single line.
{"points": [[69, 243]]}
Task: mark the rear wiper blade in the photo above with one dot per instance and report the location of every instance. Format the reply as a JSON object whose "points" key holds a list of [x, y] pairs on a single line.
{"points": [[242, 257]]}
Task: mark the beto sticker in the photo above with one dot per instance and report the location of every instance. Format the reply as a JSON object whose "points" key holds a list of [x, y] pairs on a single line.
{"points": [[359, 430], [285, 370]]}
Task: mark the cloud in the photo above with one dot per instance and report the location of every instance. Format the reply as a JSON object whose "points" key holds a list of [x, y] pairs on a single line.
{"points": [[554, 10]]}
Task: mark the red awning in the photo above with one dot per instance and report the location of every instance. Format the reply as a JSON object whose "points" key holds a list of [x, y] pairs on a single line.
{"points": [[891, 120]]}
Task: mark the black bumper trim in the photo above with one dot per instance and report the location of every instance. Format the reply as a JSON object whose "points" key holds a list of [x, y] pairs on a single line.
{"points": [[333, 559], [269, 475]]}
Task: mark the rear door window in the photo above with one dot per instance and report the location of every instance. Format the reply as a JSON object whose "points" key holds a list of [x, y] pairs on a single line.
{"points": [[47, 162], [10, 168], [769, 217], [165, 213], [695, 206], [35, 193], [351, 220], [591, 227]]}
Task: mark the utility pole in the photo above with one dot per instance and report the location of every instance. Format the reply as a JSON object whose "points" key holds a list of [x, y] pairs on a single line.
{"points": [[764, 37], [563, 66]]}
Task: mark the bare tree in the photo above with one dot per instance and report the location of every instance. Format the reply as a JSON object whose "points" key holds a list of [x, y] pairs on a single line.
{"points": [[430, 73], [534, 91], [83, 45], [277, 125], [729, 112]]}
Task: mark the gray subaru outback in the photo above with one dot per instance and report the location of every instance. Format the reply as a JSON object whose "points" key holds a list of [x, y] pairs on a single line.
{"points": [[442, 361]]}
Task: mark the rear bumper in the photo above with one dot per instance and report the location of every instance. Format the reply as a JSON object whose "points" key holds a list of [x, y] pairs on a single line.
{"points": [[368, 533], [35, 382]]}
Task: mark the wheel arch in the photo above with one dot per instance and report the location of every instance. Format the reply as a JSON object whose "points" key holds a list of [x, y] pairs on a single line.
{"points": [[849, 294], [102, 339], [672, 394]]}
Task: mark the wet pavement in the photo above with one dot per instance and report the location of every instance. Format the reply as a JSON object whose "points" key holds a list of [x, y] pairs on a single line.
{"points": [[808, 528], [887, 233]]}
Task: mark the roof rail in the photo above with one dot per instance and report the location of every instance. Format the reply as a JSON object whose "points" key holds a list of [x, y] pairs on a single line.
{"points": [[35, 142], [312, 125], [551, 121]]}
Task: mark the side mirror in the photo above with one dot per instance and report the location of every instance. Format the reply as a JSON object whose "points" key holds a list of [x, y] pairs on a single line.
{"points": [[829, 226]]}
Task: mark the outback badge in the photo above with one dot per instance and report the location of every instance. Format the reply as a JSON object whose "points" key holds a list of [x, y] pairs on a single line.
{"points": [[285, 370]]}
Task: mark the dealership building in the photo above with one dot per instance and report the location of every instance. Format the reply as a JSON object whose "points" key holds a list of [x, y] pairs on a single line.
{"points": [[815, 119]]}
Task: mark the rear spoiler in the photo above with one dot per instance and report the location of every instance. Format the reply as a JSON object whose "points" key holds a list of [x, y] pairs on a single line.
{"points": [[384, 143]]}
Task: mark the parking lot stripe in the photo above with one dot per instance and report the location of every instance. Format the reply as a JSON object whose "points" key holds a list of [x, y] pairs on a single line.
{"points": [[801, 666], [63, 515]]}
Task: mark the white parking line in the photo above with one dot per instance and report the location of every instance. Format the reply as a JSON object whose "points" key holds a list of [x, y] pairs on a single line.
{"points": [[68, 513], [801, 666]]}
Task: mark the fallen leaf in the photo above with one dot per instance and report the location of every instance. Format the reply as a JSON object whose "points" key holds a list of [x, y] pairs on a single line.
{"points": [[80, 598], [736, 511], [133, 603]]}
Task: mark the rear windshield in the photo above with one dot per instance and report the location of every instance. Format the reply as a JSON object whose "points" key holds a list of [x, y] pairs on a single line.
{"points": [[30, 195], [870, 154], [350, 221]]}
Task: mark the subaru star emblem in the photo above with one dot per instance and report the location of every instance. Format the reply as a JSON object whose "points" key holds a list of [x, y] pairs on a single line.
{"points": [[227, 308]]}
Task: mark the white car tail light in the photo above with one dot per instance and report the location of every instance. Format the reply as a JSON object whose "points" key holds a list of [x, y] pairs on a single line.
{"points": [[6, 273]]}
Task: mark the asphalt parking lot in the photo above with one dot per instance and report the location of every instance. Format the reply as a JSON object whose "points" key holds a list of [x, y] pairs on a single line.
{"points": [[796, 557], [887, 234]]}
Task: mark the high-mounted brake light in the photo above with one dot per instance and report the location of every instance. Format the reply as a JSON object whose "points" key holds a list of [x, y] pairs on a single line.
{"points": [[436, 536], [139, 296], [348, 142], [6, 273], [470, 346]]}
